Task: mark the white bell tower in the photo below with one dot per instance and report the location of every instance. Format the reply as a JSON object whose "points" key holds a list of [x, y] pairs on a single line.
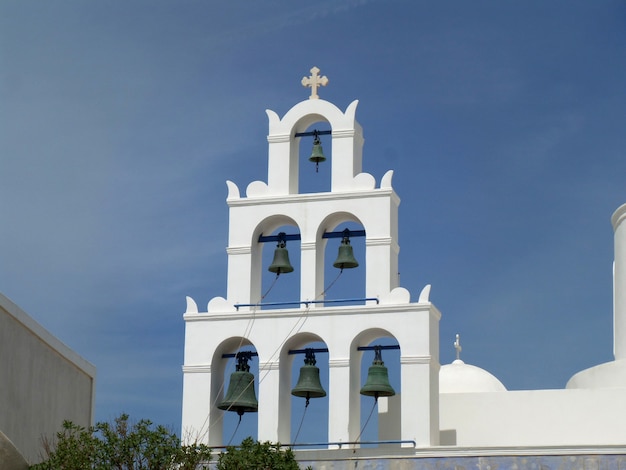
{"points": [[240, 319]]}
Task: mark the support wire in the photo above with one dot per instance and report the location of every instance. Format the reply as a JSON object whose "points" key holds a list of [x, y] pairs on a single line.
{"points": [[235, 431], [367, 420], [295, 439], [323, 294]]}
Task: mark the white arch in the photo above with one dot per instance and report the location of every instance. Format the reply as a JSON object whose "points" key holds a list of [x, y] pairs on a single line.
{"points": [[363, 338], [298, 341], [346, 149], [229, 345]]}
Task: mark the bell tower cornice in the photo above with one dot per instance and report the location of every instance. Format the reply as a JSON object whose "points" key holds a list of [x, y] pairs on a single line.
{"points": [[234, 200]]}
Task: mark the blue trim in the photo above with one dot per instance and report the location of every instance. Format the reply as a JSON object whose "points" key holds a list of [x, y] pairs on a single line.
{"points": [[315, 133], [339, 444], [344, 233], [303, 351], [252, 353], [307, 302], [373, 348], [282, 236]]}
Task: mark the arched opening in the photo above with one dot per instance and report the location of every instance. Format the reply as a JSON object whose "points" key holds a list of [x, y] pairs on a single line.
{"points": [[279, 286], [378, 417], [309, 424], [233, 414], [276, 245], [315, 177], [299, 423], [343, 285]]}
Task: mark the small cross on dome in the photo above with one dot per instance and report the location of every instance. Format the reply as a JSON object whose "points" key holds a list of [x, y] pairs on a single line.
{"points": [[314, 81], [457, 346]]}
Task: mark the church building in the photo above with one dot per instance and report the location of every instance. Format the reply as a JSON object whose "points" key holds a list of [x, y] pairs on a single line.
{"points": [[458, 412]]}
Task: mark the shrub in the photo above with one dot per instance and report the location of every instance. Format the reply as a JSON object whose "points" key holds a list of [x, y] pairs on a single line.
{"points": [[120, 445]]}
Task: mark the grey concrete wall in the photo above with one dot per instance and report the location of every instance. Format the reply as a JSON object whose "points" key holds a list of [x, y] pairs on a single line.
{"points": [[42, 382], [573, 461], [10, 457]]}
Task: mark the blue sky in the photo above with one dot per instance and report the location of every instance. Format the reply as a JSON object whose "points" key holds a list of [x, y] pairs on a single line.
{"points": [[121, 121]]}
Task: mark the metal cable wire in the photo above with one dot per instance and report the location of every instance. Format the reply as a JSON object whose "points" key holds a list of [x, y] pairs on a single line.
{"points": [[295, 439], [235, 431], [367, 420]]}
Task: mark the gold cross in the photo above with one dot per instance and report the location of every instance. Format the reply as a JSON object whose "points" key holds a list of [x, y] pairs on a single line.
{"points": [[314, 81]]}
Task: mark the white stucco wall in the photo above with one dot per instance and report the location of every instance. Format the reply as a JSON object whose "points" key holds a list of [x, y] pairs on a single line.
{"points": [[42, 382], [619, 283], [534, 418]]}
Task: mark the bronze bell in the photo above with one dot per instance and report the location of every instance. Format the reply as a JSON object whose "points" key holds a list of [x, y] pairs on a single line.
{"points": [[240, 396], [345, 258], [309, 385], [317, 155], [377, 383], [281, 263]]}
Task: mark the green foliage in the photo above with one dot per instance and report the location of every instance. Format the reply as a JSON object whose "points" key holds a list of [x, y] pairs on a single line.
{"points": [[251, 455], [120, 446]]}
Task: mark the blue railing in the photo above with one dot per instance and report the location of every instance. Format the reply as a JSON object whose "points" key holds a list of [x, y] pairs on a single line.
{"points": [[338, 444], [359, 443]]}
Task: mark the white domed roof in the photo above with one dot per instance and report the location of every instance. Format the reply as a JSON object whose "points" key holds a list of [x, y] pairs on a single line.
{"points": [[459, 377]]}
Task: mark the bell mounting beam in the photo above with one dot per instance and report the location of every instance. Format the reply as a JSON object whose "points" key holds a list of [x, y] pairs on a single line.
{"points": [[373, 348], [250, 353], [304, 351], [315, 133], [281, 237], [344, 233]]}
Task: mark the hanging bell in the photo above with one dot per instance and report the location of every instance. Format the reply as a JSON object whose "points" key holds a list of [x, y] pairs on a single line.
{"points": [[317, 155], [345, 258], [377, 383], [309, 385], [240, 396], [281, 263]]}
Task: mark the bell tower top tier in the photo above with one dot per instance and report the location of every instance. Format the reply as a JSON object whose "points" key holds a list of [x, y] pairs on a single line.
{"points": [[284, 139]]}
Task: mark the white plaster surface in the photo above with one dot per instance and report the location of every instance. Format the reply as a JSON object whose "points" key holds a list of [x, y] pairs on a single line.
{"points": [[619, 282], [459, 377], [608, 375], [535, 418]]}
